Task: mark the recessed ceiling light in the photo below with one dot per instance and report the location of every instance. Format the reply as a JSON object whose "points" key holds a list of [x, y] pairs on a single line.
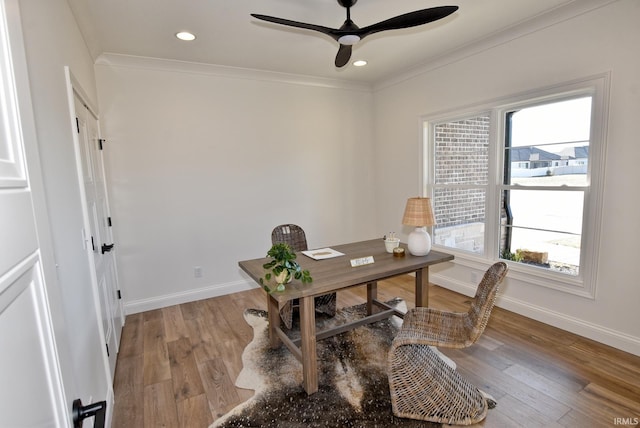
{"points": [[360, 63], [185, 35]]}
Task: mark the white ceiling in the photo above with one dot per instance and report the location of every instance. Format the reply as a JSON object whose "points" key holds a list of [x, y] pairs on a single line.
{"points": [[227, 35]]}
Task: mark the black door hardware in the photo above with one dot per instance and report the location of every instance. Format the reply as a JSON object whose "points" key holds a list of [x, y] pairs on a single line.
{"points": [[80, 413], [107, 248]]}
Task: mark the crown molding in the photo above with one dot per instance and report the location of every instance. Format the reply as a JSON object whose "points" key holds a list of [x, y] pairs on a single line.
{"points": [[521, 29], [159, 64]]}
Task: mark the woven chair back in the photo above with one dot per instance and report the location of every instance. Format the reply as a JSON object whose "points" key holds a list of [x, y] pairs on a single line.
{"points": [[484, 300], [291, 234]]}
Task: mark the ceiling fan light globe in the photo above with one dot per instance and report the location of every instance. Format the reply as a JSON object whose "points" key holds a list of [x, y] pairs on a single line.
{"points": [[349, 39]]}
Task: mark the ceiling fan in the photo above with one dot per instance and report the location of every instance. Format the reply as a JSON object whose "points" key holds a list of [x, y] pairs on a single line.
{"points": [[350, 34]]}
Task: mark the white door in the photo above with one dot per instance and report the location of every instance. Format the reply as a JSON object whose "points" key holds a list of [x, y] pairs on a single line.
{"points": [[32, 392], [99, 224]]}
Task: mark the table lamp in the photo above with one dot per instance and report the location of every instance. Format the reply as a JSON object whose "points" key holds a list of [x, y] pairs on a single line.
{"points": [[418, 213]]}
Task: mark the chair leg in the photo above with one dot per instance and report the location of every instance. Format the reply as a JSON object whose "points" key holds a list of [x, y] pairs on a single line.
{"points": [[424, 387], [326, 304], [286, 314]]}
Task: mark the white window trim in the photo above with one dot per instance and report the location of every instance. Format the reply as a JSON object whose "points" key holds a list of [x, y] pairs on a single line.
{"points": [[598, 87]]}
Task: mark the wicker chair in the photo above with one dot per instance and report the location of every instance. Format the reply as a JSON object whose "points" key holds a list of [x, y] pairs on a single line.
{"points": [[422, 385], [294, 236]]}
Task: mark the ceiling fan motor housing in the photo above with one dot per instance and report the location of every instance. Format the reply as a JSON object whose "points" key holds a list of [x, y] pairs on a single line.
{"points": [[347, 3]]}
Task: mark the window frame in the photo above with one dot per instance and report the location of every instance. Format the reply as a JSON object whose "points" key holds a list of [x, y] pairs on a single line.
{"points": [[583, 284]]}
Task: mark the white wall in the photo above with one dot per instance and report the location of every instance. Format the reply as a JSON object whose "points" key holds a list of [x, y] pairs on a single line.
{"points": [[600, 41], [53, 41], [204, 161]]}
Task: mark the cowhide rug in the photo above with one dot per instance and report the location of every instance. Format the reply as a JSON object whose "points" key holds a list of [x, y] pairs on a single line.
{"points": [[353, 384]]}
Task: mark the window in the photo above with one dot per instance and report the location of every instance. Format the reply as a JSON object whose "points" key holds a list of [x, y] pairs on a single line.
{"points": [[542, 205], [521, 180], [461, 155]]}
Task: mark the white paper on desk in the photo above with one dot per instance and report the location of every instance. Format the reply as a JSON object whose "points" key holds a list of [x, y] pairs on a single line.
{"points": [[322, 253]]}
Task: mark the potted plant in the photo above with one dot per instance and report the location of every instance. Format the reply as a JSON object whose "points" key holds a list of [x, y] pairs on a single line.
{"points": [[282, 268]]}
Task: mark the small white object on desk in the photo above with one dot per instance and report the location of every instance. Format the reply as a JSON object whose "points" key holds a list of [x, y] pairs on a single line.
{"points": [[322, 253], [390, 244], [362, 261]]}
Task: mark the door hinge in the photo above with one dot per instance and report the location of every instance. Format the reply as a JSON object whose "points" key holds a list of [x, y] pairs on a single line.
{"points": [[107, 345], [119, 295], [109, 221], [93, 245], [100, 141], [78, 125]]}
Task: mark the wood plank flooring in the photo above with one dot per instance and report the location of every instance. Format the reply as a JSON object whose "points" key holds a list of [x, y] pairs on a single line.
{"points": [[177, 365]]}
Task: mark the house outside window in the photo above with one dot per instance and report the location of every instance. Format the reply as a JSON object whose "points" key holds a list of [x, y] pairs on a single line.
{"points": [[521, 180], [543, 205]]}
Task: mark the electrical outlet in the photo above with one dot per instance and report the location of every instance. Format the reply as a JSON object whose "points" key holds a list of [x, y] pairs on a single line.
{"points": [[197, 272]]}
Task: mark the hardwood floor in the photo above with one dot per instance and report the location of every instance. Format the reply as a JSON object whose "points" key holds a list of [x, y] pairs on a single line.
{"points": [[177, 365]]}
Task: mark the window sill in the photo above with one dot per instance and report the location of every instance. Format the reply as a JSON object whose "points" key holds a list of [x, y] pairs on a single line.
{"points": [[526, 274]]}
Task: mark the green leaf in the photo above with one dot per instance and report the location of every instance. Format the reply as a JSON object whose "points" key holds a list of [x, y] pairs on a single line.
{"points": [[283, 259]]}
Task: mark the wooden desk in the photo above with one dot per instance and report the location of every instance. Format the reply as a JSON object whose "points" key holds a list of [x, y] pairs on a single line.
{"points": [[331, 275]]}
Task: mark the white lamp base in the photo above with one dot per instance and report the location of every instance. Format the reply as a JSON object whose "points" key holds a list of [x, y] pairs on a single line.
{"points": [[419, 242]]}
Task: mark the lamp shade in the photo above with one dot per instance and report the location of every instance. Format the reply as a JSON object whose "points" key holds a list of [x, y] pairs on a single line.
{"points": [[418, 212]]}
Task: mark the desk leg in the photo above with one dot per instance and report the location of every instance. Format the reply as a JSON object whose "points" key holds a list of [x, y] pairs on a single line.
{"points": [[273, 312], [422, 287], [372, 294], [308, 345]]}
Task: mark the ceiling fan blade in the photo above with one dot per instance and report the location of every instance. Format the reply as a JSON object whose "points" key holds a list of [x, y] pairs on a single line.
{"points": [[289, 23], [407, 20], [349, 33], [343, 56]]}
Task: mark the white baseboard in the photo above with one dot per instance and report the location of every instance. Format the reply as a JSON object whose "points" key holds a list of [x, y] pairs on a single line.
{"points": [[577, 326], [613, 338], [142, 305]]}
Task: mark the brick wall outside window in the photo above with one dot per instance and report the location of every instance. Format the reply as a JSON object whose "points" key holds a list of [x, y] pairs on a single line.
{"points": [[461, 158]]}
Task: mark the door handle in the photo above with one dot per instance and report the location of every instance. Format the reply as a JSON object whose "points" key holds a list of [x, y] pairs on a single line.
{"points": [[107, 248], [80, 413]]}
